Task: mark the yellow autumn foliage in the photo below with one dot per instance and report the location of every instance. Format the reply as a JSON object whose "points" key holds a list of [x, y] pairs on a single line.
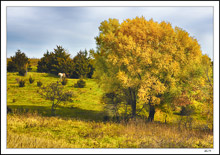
{"points": [[149, 58]]}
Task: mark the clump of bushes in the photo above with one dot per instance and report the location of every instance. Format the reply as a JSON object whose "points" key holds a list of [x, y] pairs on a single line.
{"points": [[106, 118], [80, 84], [64, 81], [31, 80], [187, 110], [9, 110], [22, 72], [39, 83], [21, 83]]}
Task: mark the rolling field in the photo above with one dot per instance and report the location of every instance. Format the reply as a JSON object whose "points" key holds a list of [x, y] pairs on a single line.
{"points": [[79, 124], [85, 105]]}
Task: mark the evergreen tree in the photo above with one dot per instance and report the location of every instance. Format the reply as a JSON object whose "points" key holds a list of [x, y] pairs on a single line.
{"points": [[19, 63], [83, 67], [56, 62]]}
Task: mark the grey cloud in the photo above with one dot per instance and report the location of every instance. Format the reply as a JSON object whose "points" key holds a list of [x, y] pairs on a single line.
{"points": [[74, 28]]}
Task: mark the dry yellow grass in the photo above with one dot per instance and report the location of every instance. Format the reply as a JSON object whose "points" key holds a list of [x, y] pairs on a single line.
{"points": [[34, 131]]}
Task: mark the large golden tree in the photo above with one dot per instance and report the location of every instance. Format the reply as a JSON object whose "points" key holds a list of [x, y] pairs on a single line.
{"points": [[149, 63]]}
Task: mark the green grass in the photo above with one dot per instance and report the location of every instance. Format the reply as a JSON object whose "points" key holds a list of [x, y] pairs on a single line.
{"points": [[79, 124], [85, 105]]}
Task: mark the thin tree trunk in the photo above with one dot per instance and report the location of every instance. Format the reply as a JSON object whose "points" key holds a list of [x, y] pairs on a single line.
{"points": [[52, 110], [166, 119], [151, 113], [133, 102], [126, 115], [133, 109]]}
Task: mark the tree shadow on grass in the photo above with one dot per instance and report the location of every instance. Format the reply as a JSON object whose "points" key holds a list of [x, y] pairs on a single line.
{"points": [[61, 112], [51, 75]]}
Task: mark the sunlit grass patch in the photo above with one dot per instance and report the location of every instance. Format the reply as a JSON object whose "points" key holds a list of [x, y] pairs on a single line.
{"points": [[86, 104]]}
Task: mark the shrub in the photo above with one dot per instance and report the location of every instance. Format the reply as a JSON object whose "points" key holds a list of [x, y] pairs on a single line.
{"points": [[22, 72], [106, 118], [11, 67], [80, 84], [29, 68], [187, 110], [31, 80], [9, 110], [39, 83], [22, 83], [17, 79], [18, 63], [64, 81], [112, 100], [55, 93]]}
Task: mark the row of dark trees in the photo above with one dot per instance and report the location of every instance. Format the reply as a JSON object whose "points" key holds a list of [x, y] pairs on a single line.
{"points": [[81, 66]]}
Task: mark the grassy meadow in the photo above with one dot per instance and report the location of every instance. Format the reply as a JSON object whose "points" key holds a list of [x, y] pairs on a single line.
{"points": [[80, 124]]}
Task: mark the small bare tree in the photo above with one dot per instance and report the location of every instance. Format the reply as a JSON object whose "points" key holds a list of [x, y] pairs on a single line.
{"points": [[55, 93]]}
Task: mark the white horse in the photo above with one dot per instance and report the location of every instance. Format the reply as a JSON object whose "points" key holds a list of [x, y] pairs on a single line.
{"points": [[61, 75]]}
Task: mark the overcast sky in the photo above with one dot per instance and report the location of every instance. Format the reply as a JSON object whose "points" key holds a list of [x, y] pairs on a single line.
{"points": [[34, 30]]}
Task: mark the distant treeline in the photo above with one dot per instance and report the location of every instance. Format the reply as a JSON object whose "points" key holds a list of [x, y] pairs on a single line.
{"points": [[80, 66]]}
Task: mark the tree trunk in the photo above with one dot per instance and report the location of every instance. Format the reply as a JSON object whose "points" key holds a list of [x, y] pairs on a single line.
{"points": [[126, 108], [133, 102], [133, 109], [151, 113], [166, 119], [52, 110]]}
